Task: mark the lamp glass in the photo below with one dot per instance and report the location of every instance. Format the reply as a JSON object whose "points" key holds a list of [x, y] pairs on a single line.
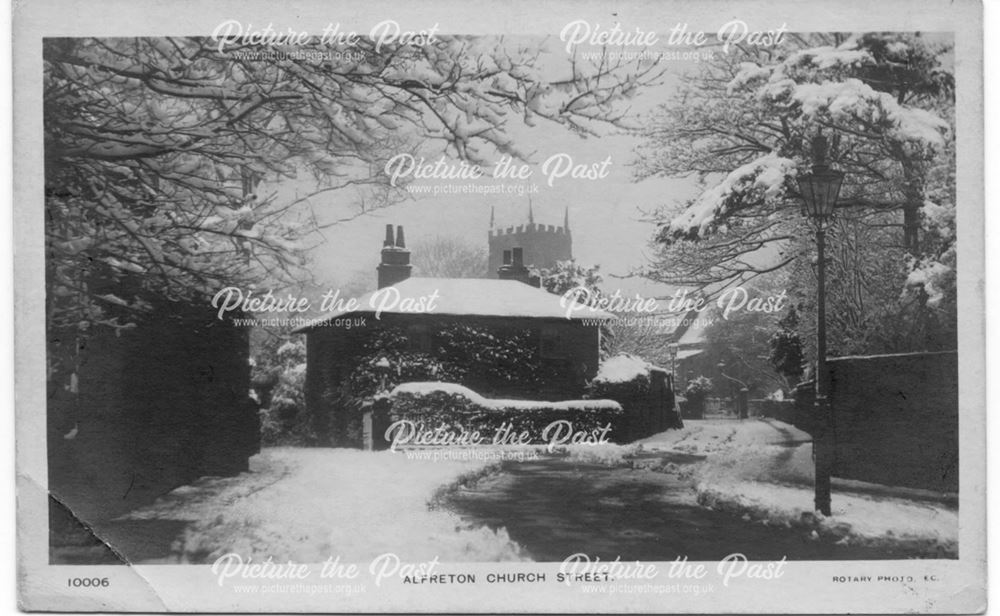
{"points": [[820, 190]]}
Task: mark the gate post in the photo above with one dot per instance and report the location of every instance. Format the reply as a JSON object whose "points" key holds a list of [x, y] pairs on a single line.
{"points": [[374, 423], [743, 403]]}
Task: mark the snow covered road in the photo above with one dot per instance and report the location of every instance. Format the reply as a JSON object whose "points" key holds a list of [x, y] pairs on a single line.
{"points": [[715, 487]]}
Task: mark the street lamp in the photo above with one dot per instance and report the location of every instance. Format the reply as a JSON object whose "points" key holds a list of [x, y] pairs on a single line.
{"points": [[821, 186], [672, 350], [820, 189]]}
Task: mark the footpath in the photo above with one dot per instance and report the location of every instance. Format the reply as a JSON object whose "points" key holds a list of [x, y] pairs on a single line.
{"points": [[762, 470]]}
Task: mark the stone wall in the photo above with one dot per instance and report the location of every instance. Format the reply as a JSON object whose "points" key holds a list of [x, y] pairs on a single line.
{"points": [[896, 418], [155, 407]]}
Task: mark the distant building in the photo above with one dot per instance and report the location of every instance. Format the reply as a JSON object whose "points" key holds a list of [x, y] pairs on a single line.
{"points": [[542, 245]]}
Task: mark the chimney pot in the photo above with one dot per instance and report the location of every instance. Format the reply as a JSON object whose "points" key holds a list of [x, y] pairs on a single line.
{"points": [[513, 268], [395, 265]]}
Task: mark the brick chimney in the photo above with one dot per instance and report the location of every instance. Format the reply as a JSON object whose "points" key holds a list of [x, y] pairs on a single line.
{"points": [[513, 268], [395, 266]]}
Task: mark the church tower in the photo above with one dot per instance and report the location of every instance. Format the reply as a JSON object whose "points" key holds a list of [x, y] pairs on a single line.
{"points": [[541, 245]]}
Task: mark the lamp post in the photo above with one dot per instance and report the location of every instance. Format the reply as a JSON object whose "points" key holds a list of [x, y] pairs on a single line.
{"points": [[672, 350], [819, 189]]}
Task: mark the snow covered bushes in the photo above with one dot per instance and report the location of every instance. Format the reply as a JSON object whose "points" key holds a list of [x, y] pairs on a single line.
{"points": [[621, 376], [697, 390], [281, 374], [632, 382], [432, 404]]}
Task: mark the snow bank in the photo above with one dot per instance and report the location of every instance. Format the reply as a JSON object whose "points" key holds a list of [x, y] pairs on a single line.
{"points": [[763, 470], [604, 454], [855, 520], [307, 505], [428, 388]]}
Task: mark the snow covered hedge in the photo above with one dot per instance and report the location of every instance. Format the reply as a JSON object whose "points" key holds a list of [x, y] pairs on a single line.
{"points": [[628, 380], [433, 404], [622, 375]]}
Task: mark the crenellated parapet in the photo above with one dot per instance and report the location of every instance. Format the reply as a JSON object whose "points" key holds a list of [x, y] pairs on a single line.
{"points": [[532, 228], [543, 245]]}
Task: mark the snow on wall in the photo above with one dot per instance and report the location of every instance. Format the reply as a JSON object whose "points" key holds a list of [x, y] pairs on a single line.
{"points": [[425, 388]]}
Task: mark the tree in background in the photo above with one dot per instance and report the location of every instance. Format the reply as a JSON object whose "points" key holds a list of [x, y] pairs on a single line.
{"points": [[640, 334], [743, 126], [449, 257], [741, 340], [566, 275], [786, 347]]}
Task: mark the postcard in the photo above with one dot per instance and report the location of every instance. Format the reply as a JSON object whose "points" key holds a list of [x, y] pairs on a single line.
{"points": [[602, 307]]}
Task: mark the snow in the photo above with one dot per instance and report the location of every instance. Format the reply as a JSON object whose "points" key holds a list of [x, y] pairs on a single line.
{"points": [[307, 505], [825, 58], [941, 218], [855, 520], [854, 100], [467, 297], [763, 469], [765, 176], [934, 277], [685, 353], [748, 73], [885, 355], [623, 368], [425, 388], [76, 245], [898, 48], [291, 347], [603, 454]]}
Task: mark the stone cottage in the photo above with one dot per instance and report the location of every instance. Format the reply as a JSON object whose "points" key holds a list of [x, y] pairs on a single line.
{"points": [[513, 305]]}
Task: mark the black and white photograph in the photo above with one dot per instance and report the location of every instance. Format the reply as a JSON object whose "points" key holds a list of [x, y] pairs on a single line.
{"points": [[617, 307]]}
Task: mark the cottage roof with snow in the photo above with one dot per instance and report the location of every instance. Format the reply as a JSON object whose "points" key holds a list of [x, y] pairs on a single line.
{"points": [[479, 297]]}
